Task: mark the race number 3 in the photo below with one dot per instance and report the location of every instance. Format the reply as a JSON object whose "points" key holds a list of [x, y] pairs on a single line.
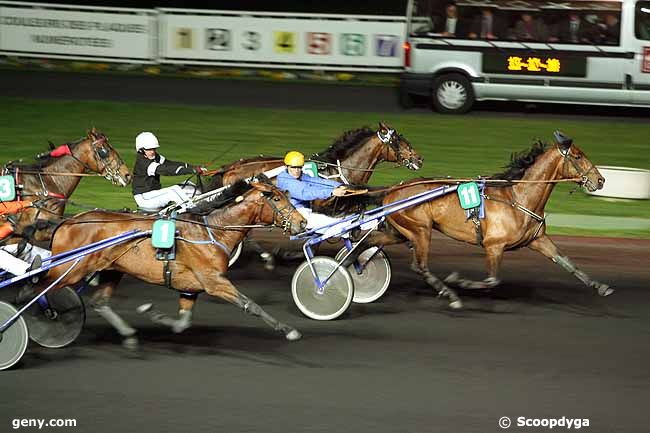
{"points": [[285, 42], [184, 38], [469, 195], [7, 188]]}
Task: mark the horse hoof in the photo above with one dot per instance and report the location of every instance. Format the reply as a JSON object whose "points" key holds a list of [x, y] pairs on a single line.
{"points": [[293, 335], [130, 343], [452, 278], [456, 305], [144, 308], [605, 290]]}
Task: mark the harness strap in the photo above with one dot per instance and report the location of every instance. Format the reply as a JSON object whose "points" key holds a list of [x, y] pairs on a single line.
{"points": [[212, 238], [540, 219]]}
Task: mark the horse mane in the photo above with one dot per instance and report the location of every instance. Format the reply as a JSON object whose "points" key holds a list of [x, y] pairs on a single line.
{"points": [[46, 160], [521, 161], [344, 145]]}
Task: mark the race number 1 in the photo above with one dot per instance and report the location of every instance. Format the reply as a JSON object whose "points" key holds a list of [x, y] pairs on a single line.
{"points": [[7, 188], [469, 195]]}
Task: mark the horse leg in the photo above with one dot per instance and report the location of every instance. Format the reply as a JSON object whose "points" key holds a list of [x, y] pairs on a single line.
{"points": [[420, 242], [546, 246], [494, 254], [186, 303], [267, 257], [100, 303], [224, 289]]}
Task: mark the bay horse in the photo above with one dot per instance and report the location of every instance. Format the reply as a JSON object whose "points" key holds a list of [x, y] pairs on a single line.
{"points": [[203, 247], [351, 159], [514, 215], [91, 154]]}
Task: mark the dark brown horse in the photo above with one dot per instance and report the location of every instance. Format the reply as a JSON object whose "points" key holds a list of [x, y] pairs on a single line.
{"points": [[91, 154], [202, 250], [514, 215], [351, 159]]}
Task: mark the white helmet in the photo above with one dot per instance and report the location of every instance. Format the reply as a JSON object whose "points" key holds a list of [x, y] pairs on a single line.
{"points": [[146, 140]]}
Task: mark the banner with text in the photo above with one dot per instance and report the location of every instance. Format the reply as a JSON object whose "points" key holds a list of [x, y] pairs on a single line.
{"points": [[66, 31], [317, 41]]}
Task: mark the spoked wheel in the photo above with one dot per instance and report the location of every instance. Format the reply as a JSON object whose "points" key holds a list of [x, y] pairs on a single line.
{"points": [[374, 279], [13, 341], [337, 296], [234, 255], [61, 323]]}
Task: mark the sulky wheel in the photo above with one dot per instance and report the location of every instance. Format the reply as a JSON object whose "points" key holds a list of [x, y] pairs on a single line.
{"points": [[60, 323], [374, 279], [337, 296], [13, 341], [234, 255]]}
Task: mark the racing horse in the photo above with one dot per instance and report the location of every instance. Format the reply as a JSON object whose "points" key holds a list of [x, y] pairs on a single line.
{"points": [[351, 159], [514, 215], [52, 181], [203, 246]]}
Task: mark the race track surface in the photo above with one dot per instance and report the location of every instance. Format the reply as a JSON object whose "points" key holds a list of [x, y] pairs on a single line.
{"points": [[266, 94], [540, 346]]}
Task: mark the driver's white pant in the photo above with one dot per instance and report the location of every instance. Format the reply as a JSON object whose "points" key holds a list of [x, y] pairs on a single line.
{"points": [[19, 266], [316, 220], [158, 199]]}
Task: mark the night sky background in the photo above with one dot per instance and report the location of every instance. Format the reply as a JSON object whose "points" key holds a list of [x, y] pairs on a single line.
{"points": [[363, 7]]}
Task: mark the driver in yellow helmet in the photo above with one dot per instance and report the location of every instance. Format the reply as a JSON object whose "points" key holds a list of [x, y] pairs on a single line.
{"points": [[303, 189]]}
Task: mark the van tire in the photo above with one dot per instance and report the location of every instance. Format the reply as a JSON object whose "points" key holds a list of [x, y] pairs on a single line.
{"points": [[405, 99], [452, 94]]}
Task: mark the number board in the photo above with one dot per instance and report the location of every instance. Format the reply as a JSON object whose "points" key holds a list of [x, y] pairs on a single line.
{"points": [[163, 233], [7, 188], [469, 195], [310, 169], [551, 63]]}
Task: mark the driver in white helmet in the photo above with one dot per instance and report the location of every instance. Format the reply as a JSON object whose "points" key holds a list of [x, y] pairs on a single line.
{"points": [[149, 166]]}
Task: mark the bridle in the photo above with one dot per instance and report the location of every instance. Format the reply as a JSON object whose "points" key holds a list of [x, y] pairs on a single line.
{"points": [[283, 213], [583, 174], [110, 169], [392, 140]]}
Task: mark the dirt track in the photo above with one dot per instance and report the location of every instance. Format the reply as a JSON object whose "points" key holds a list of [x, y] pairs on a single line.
{"points": [[541, 346]]}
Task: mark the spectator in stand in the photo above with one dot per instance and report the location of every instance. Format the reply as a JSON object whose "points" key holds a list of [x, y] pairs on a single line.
{"points": [[486, 26], [450, 25], [611, 30], [571, 31], [530, 29]]}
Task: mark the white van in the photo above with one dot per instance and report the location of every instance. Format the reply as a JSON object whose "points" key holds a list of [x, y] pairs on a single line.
{"points": [[578, 51]]}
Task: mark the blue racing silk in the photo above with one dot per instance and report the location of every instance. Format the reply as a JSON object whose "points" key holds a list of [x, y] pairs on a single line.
{"points": [[302, 191]]}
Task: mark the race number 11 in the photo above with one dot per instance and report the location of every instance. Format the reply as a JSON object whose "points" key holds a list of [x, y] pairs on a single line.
{"points": [[469, 195]]}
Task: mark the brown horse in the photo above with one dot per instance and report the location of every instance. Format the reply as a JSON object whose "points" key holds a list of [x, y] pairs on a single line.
{"points": [[351, 159], [91, 154], [514, 215], [202, 250]]}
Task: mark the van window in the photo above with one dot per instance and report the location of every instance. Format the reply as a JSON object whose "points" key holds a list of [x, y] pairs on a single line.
{"points": [[571, 22], [642, 21]]}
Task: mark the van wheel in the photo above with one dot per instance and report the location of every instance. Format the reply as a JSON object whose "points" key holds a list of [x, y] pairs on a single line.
{"points": [[452, 94]]}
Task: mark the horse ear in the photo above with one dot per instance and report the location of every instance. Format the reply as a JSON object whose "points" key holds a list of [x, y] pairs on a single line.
{"points": [[52, 145], [383, 127], [564, 141]]}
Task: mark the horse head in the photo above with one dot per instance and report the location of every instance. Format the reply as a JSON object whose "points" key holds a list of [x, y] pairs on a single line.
{"points": [[97, 155], [398, 148], [576, 163], [276, 207]]}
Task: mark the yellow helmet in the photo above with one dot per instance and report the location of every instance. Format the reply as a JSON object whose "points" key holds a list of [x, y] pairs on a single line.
{"points": [[294, 158]]}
